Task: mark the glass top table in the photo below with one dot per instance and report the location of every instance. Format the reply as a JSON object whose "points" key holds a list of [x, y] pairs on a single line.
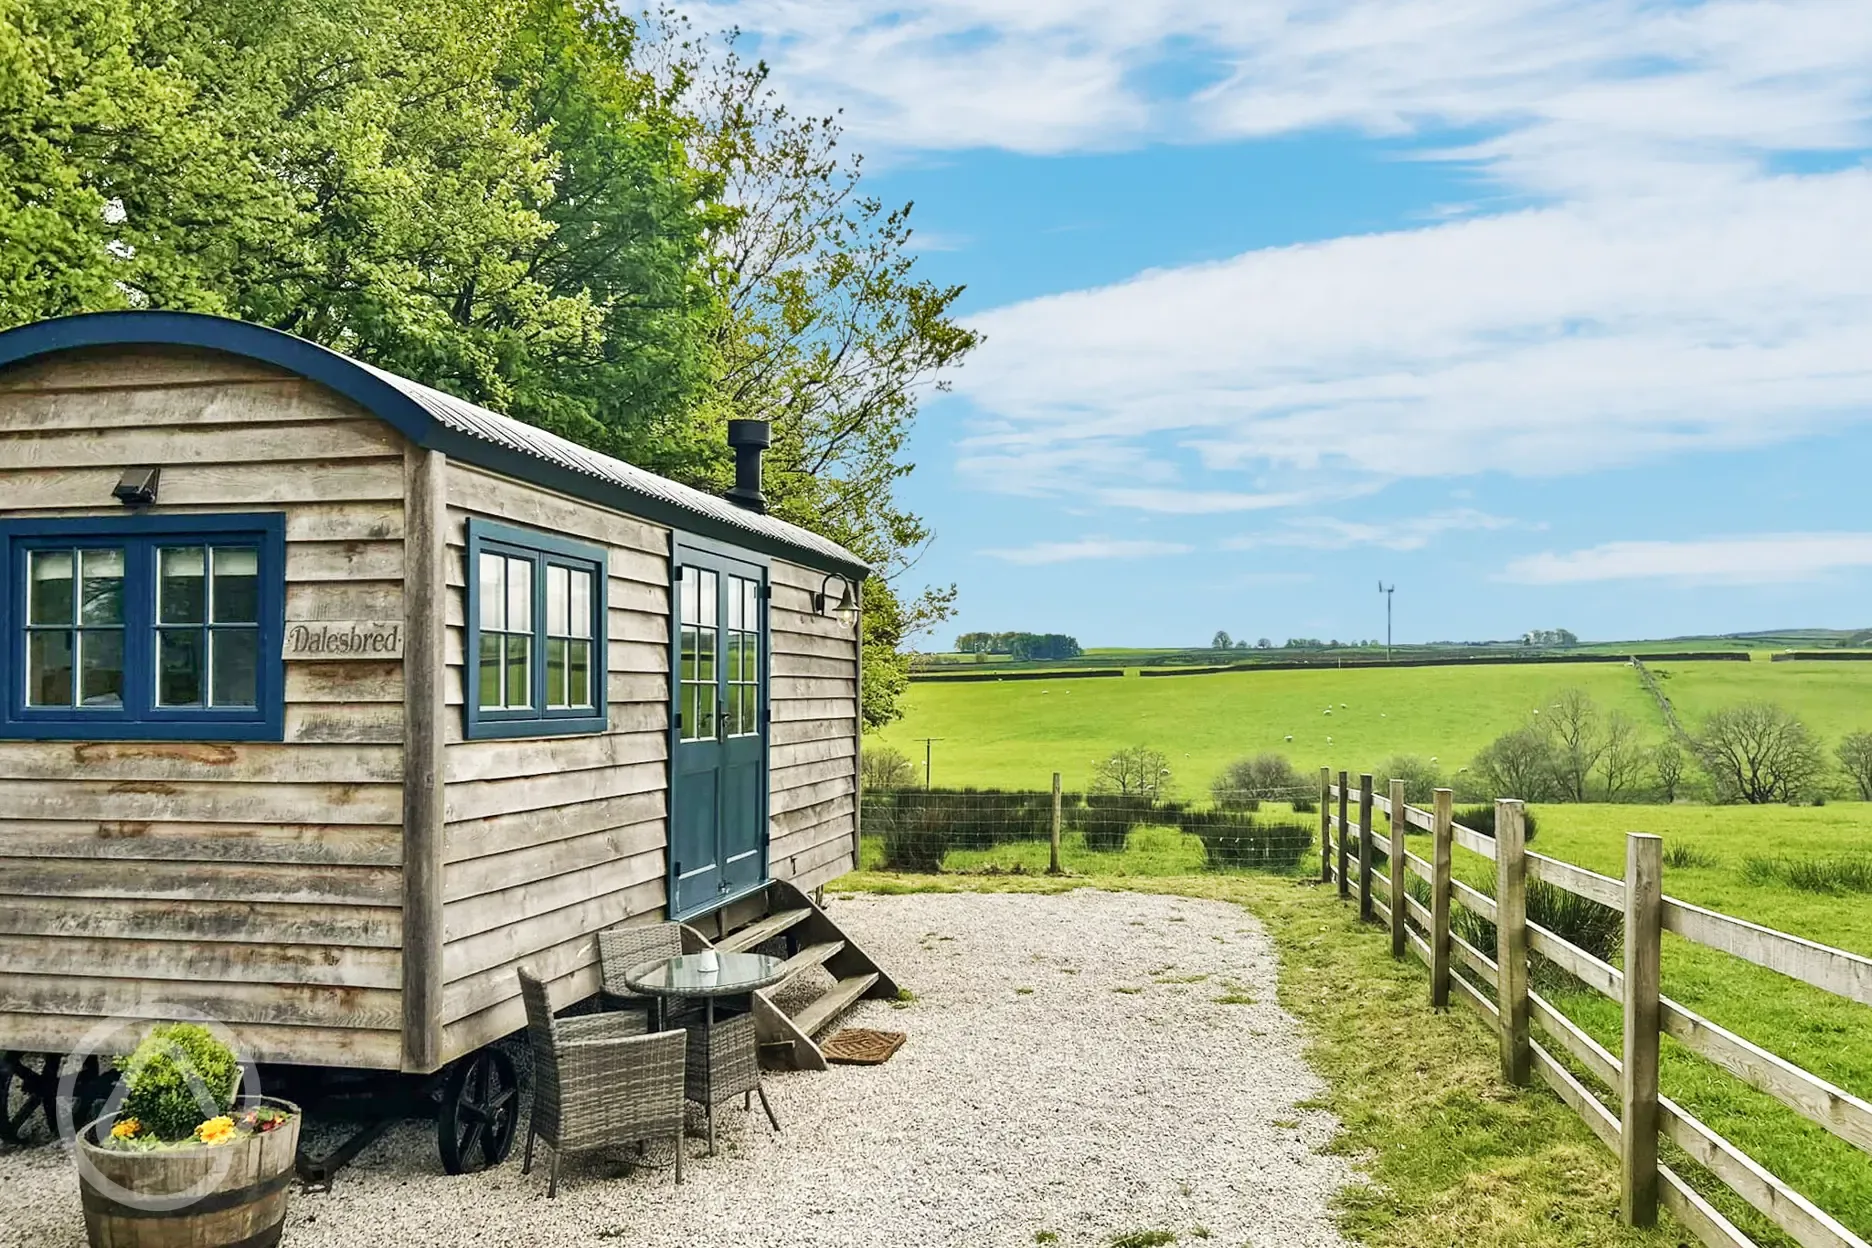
{"points": [[706, 974]]}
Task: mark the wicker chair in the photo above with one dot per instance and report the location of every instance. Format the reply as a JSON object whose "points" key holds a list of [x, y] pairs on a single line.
{"points": [[723, 1060], [599, 1080], [621, 949]]}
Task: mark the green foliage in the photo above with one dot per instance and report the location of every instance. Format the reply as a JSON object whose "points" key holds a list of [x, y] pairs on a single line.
{"points": [[1304, 806], [1246, 782], [1684, 857], [1421, 777], [1758, 752], [1136, 770], [1107, 819], [1233, 840], [1482, 819], [884, 768], [178, 1077], [1020, 647], [1838, 875]]}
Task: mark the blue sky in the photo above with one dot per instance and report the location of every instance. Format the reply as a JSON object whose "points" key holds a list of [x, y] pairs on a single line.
{"points": [[1553, 314]]}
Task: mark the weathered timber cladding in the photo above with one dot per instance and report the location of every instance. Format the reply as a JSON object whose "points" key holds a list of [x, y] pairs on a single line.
{"points": [[259, 882], [547, 840], [814, 736]]}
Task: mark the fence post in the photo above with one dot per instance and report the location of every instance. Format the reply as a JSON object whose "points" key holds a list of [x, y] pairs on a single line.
{"points": [[1638, 1081], [1440, 897], [1325, 825], [1345, 849], [1053, 867], [1511, 956], [1396, 855], [1364, 847]]}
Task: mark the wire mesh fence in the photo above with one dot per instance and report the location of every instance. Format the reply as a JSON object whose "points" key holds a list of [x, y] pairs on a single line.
{"points": [[1012, 831]]}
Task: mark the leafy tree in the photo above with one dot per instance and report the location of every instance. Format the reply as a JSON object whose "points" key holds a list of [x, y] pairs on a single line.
{"points": [[1137, 771], [1421, 777], [1758, 752], [1855, 755], [1244, 783], [883, 769], [1221, 641], [1522, 763], [975, 643]]}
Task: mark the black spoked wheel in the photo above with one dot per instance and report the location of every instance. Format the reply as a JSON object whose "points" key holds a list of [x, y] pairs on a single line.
{"points": [[480, 1109], [28, 1084], [90, 1090]]}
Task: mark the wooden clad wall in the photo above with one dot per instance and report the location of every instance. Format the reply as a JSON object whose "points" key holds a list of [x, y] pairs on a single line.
{"points": [[814, 744], [259, 883], [550, 839]]}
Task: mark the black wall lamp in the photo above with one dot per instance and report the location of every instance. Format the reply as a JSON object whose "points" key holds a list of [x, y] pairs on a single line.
{"points": [[137, 486], [845, 608]]}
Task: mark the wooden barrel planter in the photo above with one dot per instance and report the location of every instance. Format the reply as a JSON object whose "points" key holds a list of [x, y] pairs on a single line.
{"points": [[207, 1196]]}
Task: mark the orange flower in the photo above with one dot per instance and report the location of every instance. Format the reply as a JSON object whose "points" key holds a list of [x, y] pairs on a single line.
{"points": [[216, 1130], [124, 1128]]}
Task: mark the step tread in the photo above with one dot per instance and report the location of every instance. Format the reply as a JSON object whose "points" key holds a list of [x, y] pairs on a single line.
{"points": [[757, 933], [815, 1016], [807, 958]]}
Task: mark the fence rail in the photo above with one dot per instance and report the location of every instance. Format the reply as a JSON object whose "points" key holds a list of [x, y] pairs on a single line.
{"points": [[1497, 988]]}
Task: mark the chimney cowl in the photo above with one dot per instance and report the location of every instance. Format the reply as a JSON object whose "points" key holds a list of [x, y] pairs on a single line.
{"points": [[748, 438]]}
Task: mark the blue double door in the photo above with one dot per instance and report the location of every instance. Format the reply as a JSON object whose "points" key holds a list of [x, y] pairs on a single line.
{"points": [[718, 794]]}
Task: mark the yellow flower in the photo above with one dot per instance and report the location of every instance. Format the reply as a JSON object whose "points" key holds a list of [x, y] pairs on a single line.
{"points": [[216, 1130], [125, 1128]]}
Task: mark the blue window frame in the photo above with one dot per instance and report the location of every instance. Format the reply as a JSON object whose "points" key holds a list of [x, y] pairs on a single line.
{"points": [[534, 654], [142, 627]]}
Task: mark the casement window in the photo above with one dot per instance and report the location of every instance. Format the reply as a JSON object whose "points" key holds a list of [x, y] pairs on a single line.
{"points": [[144, 627], [535, 646]]}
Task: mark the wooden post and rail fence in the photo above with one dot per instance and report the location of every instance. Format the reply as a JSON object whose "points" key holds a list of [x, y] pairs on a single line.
{"points": [[1644, 1116]]}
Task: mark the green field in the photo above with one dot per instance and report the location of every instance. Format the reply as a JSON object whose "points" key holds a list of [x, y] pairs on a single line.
{"points": [[1017, 733]]}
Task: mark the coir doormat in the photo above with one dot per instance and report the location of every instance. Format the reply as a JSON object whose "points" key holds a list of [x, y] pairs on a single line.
{"points": [[861, 1046]]}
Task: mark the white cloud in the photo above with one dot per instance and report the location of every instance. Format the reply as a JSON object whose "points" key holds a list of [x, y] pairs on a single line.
{"points": [[1087, 548], [1762, 559], [1544, 341], [1331, 533]]}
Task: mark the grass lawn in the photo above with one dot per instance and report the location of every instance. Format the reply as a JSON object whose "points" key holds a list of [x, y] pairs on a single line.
{"points": [[1015, 734], [1453, 1156], [1824, 1034]]}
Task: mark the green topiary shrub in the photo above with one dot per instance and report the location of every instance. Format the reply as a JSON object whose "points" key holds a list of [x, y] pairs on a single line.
{"points": [[1305, 806], [178, 1077]]}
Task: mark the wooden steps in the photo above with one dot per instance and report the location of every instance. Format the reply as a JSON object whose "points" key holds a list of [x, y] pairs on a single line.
{"points": [[835, 1002], [762, 931], [813, 940]]}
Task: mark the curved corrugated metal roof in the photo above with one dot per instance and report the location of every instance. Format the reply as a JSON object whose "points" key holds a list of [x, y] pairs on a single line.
{"points": [[460, 429]]}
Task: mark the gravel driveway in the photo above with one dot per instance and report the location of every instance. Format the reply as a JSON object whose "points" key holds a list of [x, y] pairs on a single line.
{"points": [[1091, 1065]]}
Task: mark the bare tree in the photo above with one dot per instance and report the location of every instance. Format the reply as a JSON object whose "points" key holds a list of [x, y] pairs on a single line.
{"points": [[1758, 752], [1579, 741], [1137, 770], [1621, 760], [1668, 762], [1855, 755]]}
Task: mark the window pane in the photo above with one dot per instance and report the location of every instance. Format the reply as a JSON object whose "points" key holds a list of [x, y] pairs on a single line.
{"points": [[51, 596], [519, 596], [689, 583], [180, 596], [707, 592], [704, 710], [100, 667], [519, 671], [581, 604], [235, 672], [236, 584], [750, 609], [734, 602], [558, 599], [489, 681], [49, 668], [578, 673], [555, 670], [179, 666], [493, 592], [705, 654], [734, 656], [101, 601]]}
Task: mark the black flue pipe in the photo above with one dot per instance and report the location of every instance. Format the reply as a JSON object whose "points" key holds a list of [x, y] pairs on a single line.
{"points": [[748, 438]]}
